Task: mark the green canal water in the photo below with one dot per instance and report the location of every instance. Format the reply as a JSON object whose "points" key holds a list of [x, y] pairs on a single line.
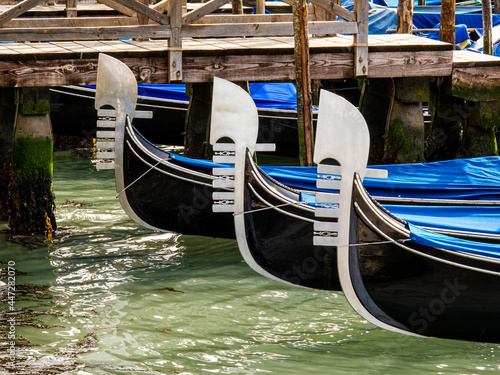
{"points": [[107, 296]]}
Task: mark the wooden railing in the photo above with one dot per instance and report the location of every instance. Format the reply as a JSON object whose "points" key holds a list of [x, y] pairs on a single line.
{"points": [[173, 20]]}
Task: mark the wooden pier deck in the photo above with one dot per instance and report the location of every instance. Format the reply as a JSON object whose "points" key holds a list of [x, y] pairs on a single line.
{"points": [[174, 41], [40, 64]]}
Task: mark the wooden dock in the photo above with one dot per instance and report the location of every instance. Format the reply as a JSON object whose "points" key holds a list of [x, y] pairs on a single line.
{"points": [[39, 64], [173, 41]]}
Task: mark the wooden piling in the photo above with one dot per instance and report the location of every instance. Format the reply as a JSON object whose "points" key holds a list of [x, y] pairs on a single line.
{"points": [[479, 134], [447, 23], [31, 199], [198, 120], [303, 82], [405, 16], [7, 120], [487, 24]]}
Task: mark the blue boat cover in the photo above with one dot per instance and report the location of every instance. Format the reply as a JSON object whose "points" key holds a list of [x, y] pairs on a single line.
{"points": [[265, 95], [479, 219], [467, 218], [428, 238], [474, 178]]}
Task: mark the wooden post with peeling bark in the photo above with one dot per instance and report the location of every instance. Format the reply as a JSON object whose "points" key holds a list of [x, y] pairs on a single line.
{"points": [[31, 200], [303, 82], [447, 24], [405, 16]]}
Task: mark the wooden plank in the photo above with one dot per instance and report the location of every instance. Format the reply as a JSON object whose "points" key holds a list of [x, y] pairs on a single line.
{"points": [[265, 67], [119, 7], [203, 10], [161, 6], [175, 42], [47, 73], [267, 29], [161, 18], [361, 39], [409, 64], [17, 10], [85, 33], [71, 22], [246, 18], [465, 59], [476, 84]]}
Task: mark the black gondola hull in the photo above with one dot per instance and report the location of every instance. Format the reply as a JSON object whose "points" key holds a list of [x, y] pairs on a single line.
{"points": [[419, 289]]}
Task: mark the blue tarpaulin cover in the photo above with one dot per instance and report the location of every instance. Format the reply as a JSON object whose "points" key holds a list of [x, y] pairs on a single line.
{"points": [[474, 178], [428, 238], [265, 95], [482, 219], [485, 219]]}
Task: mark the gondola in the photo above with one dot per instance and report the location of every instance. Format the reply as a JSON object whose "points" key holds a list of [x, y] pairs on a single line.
{"points": [[394, 274], [165, 191]]}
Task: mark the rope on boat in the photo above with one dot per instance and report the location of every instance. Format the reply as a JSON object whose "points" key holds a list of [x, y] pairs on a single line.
{"points": [[402, 240], [270, 207], [141, 176]]}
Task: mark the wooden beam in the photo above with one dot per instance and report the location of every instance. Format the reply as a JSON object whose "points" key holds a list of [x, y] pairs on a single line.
{"points": [[161, 18], [25, 23], [361, 39], [247, 18], [71, 8], [260, 7], [336, 9], [50, 73], [17, 10], [476, 84], [203, 10], [237, 6], [161, 6], [267, 29], [118, 7], [85, 33], [175, 42], [410, 64]]}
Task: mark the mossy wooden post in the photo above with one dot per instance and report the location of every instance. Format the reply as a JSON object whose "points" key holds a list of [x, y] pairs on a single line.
{"points": [[479, 134], [31, 208], [448, 117], [7, 120], [198, 119], [303, 82], [393, 111]]}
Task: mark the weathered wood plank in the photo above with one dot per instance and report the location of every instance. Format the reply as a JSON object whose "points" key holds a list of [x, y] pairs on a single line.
{"points": [[203, 10], [71, 22], [45, 73], [145, 10], [118, 7], [476, 84], [267, 29], [264, 67], [409, 64], [85, 33], [336, 9], [175, 42], [17, 10]]}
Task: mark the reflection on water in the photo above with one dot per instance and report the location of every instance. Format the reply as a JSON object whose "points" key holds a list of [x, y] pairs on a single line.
{"points": [[110, 297]]}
